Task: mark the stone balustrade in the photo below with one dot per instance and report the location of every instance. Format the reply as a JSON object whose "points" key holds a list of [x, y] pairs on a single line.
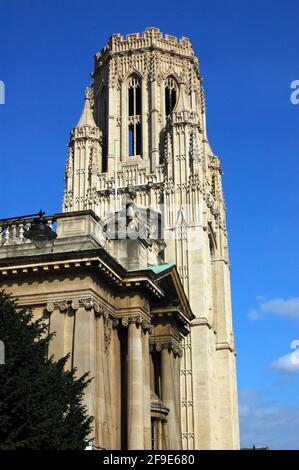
{"points": [[14, 234]]}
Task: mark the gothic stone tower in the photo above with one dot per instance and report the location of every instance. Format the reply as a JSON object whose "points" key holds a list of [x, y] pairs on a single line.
{"points": [[144, 126]]}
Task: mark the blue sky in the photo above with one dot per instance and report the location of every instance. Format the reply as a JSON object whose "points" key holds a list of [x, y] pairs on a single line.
{"points": [[248, 52]]}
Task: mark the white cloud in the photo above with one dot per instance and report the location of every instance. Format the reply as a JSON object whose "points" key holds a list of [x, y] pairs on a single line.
{"points": [[287, 363], [264, 424], [279, 306], [284, 307], [253, 314], [261, 298]]}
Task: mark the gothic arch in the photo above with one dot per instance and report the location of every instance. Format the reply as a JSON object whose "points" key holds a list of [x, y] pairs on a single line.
{"points": [[171, 93], [172, 74], [131, 72]]}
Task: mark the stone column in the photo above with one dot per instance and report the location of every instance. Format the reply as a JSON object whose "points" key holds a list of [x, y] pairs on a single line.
{"points": [[152, 373], [68, 336], [147, 391], [115, 388], [85, 352], [135, 388], [62, 323], [168, 380], [107, 378], [159, 435], [56, 346], [100, 424]]}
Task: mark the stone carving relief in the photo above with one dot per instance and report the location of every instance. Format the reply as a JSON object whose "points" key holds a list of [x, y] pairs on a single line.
{"points": [[108, 325]]}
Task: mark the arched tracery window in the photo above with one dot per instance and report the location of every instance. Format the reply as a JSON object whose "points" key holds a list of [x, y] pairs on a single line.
{"points": [[134, 115], [170, 95]]}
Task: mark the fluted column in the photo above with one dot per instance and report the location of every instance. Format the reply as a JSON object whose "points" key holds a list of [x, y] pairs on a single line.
{"points": [[56, 346], [62, 324], [68, 337], [159, 435], [146, 391], [107, 379], [115, 388], [135, 387], [169, 377], [85, 351], [100, 391]]}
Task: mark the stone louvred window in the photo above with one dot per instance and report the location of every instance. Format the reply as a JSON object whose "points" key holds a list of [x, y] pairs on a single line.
{"points": [[134, 115], [170, 95]]}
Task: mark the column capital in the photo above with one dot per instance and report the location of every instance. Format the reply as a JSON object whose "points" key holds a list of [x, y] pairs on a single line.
{"points": [[138, 320], [71, 305], [169, 345]]}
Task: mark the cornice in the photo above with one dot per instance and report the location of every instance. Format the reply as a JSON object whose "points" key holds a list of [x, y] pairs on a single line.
{"points": [[112, 272]]}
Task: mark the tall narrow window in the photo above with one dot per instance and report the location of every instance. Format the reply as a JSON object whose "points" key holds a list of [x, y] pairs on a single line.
{"points": [[170, 95], [134, 112], [131, 140], [103, 126]]}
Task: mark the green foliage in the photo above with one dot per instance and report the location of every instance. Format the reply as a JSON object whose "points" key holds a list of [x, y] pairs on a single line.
{"points": [[40, 402]]}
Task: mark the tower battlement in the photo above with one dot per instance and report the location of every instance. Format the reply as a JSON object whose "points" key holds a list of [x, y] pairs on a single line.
{"points": [[150, 38]]}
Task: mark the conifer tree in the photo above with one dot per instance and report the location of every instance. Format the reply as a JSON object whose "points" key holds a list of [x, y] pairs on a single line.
{"points": [[41, 403]]}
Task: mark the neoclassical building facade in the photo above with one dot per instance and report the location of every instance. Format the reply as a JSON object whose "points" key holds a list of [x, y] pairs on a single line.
{"points": [[137, 283]]}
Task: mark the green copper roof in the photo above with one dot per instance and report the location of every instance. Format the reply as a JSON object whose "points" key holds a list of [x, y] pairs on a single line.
{"points": [[157, 269]]}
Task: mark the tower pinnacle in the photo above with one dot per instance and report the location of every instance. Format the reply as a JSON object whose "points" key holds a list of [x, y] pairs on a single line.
{"points": [[86, 118]]}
